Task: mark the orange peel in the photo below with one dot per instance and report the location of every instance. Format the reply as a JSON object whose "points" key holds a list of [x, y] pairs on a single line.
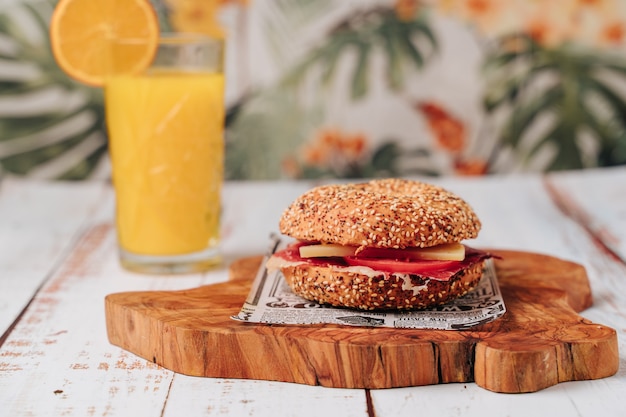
{"points": [[92, 40]]}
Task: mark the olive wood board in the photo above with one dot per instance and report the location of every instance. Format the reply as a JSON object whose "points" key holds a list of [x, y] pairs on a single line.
{"points": [[539, 342]]}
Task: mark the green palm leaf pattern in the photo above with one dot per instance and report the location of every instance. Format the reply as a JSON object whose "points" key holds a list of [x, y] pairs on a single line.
{"points": [[270, 124], [261, 132], [403, 42], [567, 90], [50, 126]]}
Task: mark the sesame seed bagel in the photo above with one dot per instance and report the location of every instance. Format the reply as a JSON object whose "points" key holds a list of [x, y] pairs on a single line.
{"points": [[389, 213], [336, 287]]}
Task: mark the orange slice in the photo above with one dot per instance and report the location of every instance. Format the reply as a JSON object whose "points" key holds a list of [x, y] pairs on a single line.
{"points": [[94, 39]]}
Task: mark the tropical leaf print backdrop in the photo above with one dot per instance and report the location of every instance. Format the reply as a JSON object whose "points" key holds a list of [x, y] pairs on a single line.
{"points": [[362, 88]]}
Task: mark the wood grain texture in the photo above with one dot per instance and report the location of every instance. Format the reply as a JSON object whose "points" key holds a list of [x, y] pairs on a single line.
{"points": [[539, 342], [37, 224]]}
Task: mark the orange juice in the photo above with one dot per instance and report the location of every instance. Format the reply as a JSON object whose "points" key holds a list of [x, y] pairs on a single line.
{"points": [[167, 151]]}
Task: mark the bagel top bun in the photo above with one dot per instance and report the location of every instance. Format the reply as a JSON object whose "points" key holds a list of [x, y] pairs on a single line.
{"points": [[387, 213]]}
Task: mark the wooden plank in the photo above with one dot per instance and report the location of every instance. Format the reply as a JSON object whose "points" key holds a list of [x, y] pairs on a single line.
{"points": [[57, 360], [251, 212], [38, 223], [596, 199], [518, 213], [571, 399], [191, 396]]}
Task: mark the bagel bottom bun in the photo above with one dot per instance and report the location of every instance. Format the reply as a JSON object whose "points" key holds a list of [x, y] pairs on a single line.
{"points": [[394, 291]]}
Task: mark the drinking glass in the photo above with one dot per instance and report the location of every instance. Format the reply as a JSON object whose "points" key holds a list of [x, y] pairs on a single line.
{"points": [[165, 127]]}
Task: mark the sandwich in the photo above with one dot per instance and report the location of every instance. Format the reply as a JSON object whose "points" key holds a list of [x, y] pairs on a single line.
{"points": [[390, 244]]}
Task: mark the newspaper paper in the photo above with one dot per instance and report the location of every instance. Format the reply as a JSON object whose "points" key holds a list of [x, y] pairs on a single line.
{"points": [[271, 301]]}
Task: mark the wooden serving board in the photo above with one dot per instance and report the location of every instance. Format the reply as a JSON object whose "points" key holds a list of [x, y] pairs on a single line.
{"points": [[539, 342]]}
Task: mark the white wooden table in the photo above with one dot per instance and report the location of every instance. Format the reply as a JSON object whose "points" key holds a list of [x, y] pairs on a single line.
{"points": [[58, 262]]}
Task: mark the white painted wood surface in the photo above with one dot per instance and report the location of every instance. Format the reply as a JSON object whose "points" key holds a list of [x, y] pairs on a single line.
{"points": [[58, 261]]}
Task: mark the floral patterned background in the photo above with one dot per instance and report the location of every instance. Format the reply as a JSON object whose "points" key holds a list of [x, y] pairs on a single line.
{"points": [[362, 88]]}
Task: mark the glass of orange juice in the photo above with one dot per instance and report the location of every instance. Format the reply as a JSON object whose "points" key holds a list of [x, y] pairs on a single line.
{"points": [[166, 143]]}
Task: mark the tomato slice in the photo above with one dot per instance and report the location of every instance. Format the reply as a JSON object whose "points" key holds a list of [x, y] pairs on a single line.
{"points": [[392, 265]]}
